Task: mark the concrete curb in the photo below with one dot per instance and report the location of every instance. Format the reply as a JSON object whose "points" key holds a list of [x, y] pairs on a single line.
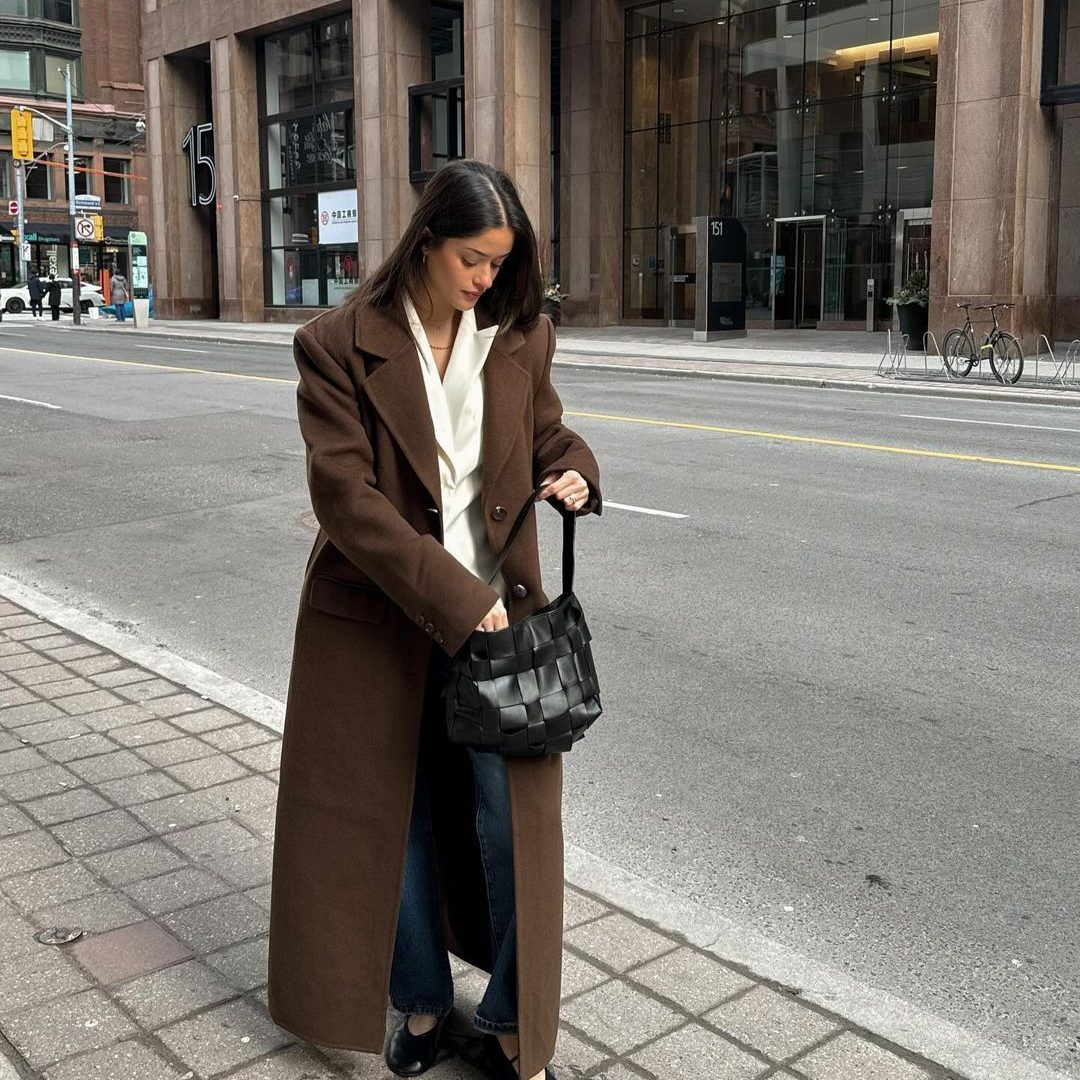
{"points": [[866, 1007], [564, 357]]}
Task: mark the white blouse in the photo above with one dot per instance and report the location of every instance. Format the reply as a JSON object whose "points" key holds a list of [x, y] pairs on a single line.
{"points": [[456, 403]]}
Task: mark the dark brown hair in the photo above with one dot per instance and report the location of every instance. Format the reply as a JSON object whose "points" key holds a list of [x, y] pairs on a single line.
{"points": [[465, 198]]}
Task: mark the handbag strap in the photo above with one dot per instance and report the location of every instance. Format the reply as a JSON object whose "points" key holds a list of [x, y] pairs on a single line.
{"points": [[569, 521]]}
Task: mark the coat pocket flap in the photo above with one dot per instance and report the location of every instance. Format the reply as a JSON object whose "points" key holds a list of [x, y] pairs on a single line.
{"points": [[347, 599]]}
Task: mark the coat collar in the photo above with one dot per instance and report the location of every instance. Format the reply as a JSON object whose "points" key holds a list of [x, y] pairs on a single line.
{"points": [[396, 390]]}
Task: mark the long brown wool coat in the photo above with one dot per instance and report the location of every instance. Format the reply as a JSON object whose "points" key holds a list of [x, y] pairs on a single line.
{"points": [[378, 592]]}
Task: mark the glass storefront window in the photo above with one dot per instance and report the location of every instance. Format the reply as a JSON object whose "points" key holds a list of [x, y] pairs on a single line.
{"points": [[692, 69], [812, 122], [290, 71], [333, 60], [308, 146], [640, 178]]}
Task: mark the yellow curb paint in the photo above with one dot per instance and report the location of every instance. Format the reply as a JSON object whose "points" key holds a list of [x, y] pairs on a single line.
{"points": [[826, 442]]}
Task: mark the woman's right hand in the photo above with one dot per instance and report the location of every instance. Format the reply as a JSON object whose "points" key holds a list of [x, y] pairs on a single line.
{"points": [[495, 619]]}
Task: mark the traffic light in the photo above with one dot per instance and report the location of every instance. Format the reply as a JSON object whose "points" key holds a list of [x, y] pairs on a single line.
{"points": [[22, 135]]}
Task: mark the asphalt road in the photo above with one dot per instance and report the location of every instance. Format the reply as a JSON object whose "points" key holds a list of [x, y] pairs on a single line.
{"points": [[841, 692]]}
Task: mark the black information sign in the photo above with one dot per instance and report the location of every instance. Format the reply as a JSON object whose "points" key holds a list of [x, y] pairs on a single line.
{"points": [[721, 304]]}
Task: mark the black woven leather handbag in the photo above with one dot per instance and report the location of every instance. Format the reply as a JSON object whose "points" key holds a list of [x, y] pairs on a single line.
{"points": [[530, 689]]}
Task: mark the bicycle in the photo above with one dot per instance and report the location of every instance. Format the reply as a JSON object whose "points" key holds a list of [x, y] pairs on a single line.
{"points": [[961, 355]]}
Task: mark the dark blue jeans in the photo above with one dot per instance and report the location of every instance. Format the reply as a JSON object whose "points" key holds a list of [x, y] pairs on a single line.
{"points": [[420, 979]]}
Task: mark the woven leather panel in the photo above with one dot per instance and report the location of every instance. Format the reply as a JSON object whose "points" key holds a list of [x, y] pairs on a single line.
{"points": [[528, 690]]}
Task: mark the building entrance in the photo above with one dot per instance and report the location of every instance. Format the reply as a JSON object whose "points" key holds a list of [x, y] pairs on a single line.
{"points": [[680, 275], [798, 279]]}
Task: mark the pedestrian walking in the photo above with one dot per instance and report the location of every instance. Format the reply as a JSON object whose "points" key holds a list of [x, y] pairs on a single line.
{"points": [[119, 293], [427, 408], [53, 294], [36, 289]]}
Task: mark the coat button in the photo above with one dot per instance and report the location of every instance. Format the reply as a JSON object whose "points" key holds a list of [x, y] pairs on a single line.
{"points": [[438, 639], [499, 513], [429, 629], [419, 620], [520, 590]]}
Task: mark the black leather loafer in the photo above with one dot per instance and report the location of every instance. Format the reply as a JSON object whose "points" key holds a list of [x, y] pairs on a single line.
{"points": [[498, 1066], [410, 1055]]}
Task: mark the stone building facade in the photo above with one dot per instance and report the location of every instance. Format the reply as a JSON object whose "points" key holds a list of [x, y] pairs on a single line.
{"points": [[856, 141]]}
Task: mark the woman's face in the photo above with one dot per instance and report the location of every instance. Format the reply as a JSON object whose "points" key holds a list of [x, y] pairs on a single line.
{"points": [[462, 268]]}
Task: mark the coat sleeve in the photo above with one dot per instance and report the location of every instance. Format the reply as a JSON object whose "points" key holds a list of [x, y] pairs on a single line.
{"points": [[418, 574], [555, 447]]}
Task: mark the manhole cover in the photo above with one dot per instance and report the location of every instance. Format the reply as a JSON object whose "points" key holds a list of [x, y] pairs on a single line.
{"points": [[59, 935], [310, 521]]}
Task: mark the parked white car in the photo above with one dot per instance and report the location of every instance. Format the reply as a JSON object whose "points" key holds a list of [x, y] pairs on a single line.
{"points": [[16, 299]]}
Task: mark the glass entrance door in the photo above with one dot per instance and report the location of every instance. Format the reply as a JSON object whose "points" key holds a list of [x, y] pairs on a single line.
{"points": [[798, 272], [680, 269]]}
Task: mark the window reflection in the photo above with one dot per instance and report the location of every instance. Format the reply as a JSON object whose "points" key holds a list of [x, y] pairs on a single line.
{"points": [[819, 109]]}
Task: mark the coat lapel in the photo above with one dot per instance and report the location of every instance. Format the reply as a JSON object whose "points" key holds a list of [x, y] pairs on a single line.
{"points": [[395, 388], [506, 393]]}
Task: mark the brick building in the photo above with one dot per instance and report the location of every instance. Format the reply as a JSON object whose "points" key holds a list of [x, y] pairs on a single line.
{"points": [[100, 39]]}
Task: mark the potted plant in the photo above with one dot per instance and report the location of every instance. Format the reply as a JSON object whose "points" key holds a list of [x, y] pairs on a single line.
{"points": [[911, 302], [553, 295], [553, 298]]}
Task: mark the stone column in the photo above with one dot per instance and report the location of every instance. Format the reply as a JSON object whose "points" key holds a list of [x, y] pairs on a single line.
{"points": [[590, 194], [995, 184], [236, 154], [389, 47], [508, 96], [180, 238], [1068, 221]]}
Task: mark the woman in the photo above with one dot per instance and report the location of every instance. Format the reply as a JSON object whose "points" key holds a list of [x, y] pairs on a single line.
{"points": [[119, 294], [428, 412]]}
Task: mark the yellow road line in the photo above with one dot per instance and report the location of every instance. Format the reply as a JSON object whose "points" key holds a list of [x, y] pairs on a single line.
{"points": [[155, 367], [813, 440], [827, 442]]}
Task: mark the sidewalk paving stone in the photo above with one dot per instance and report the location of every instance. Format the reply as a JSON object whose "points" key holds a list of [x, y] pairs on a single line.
{"points": [[58, 1029], [224, 1037], [771, 1022], [144, 814], [100, 832], [87, 744], [695, 980], [55, 884], [129, 1060], [66, 806], [694, 1053], [96, 914], [173, 993], [128, 952], [176, 889], [142, 860]]}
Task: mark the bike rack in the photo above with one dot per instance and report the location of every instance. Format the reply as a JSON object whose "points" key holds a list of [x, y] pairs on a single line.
{"points": [[1063, 368], [895, 355], [943, 370]]}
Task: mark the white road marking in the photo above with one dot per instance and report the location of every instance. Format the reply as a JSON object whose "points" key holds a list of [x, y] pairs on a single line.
{"points": [[989, 423], [31, 401], [643, 510], [172, 348], [11, 333]]}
